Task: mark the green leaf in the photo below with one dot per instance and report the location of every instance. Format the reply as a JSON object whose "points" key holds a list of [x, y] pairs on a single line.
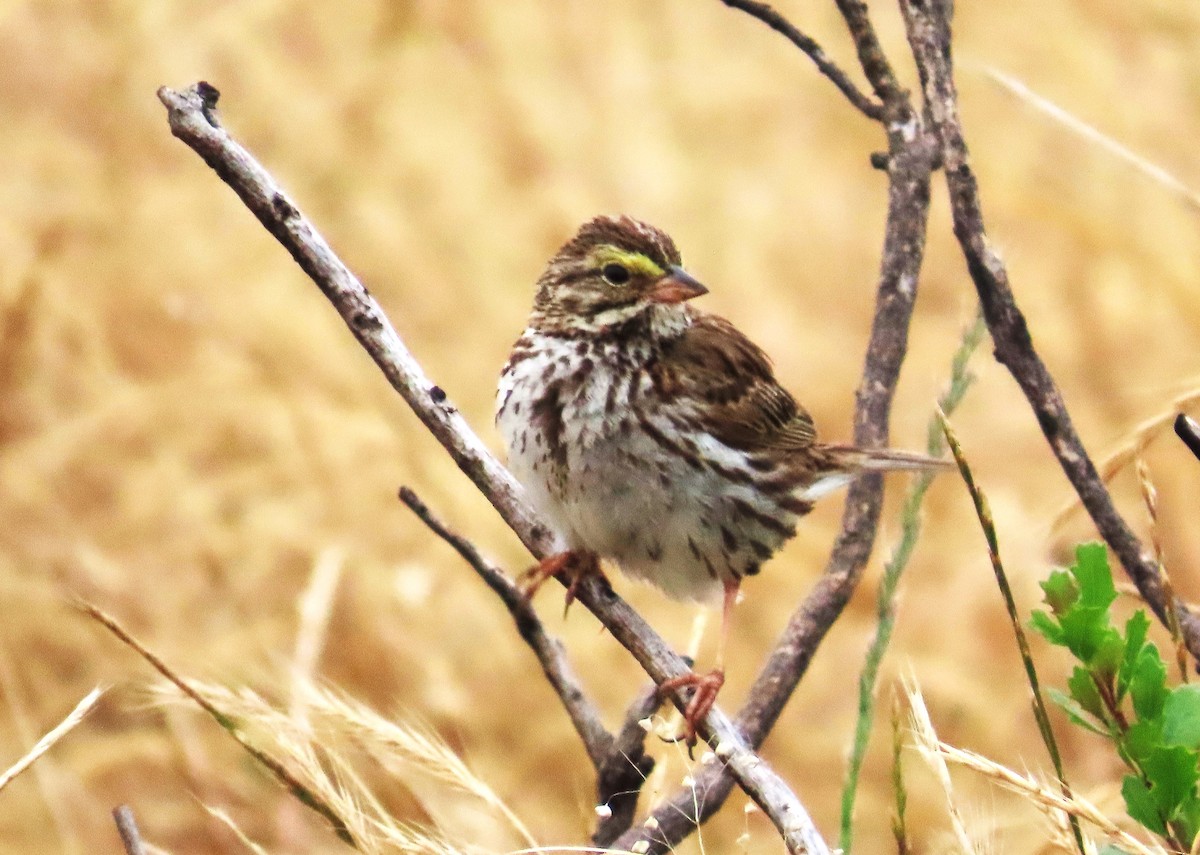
{"points": [[1172, 772], [1108, 655], [1061, 591], [1135, 637], [1047, 627], [1189, 819], [1181, 716], [1086, 630], [1083, 690], [1074, 711], [1140, 805], [1111, 849], [1147, 684], [1096, 587], [1141, 739]]}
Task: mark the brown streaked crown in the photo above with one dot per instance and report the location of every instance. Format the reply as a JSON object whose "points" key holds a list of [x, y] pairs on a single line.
{"points": [[612, 263], [624, 233]]}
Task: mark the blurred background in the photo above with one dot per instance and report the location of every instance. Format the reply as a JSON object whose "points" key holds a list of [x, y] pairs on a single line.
{"points": [[187, 430]]}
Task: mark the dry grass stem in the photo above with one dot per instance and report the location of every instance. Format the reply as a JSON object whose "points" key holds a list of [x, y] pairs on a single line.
{"points": [[1131, 448], [340, 823], [53, 736], [313, 611], [314, 757], [222, 816], [1150, 500], [1072, 122], [1047, 797], [1043, 795], [314, 754], [14, 695], [409, 742], [925, 735]]}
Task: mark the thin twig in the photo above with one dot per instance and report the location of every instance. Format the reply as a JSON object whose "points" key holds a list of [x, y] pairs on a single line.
{"points": [[549, 650], [870, 53], [192, 117], [131, 839], [928, 28], [778, 23]]}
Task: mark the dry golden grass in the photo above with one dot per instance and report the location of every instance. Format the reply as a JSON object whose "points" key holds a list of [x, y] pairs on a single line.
{"points": [[186, 430]]}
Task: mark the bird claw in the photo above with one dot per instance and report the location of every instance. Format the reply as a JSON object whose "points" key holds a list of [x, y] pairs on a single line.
{"points": [[549, 567], [575, 564], [704, 695]]}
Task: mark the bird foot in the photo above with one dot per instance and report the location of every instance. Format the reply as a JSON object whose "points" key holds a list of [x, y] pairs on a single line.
{"points": [[576, 564], [704, 695]]}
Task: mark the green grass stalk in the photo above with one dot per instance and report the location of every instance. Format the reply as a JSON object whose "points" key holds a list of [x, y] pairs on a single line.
{"points": [[910, 529]]}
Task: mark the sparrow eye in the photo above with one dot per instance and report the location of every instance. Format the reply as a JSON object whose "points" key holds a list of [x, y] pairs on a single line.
{"points": [[616, 274]]}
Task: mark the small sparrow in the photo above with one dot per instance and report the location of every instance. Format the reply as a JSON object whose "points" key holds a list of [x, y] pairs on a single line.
{"points": [[653, 434]]}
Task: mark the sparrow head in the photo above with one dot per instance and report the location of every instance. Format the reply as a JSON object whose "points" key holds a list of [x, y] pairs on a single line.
{"points": [[614, 269]]}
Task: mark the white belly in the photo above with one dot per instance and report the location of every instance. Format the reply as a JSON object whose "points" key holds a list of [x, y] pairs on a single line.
{"points": [[603, 480]]}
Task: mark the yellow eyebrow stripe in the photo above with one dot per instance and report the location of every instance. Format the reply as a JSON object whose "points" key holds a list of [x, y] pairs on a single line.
{"points": [[635, 262]]}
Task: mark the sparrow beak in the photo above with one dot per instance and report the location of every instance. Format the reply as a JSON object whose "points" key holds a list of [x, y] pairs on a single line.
{"points": [[675, 287]]}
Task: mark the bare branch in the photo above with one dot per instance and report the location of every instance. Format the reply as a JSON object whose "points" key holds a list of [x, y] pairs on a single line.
{"points": [[928, 25], [620, 779], [870, 53], [912, 153], [778, 23], [1189, 431], [131, 838], [192, 119], [621, 763], [549, 650]]}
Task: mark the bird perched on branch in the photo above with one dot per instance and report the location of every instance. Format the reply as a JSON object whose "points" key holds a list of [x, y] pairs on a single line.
{"points": [[651, 433]]}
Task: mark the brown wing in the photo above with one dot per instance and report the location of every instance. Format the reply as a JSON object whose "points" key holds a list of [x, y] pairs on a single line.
{"points": [[735, 391]]}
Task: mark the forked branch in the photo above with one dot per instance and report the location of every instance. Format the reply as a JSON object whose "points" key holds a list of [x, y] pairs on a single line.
{"points": [[912, 153], [928, 26], [840, 79], [192, 118]]}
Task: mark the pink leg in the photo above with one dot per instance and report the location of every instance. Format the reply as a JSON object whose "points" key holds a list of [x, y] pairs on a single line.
{"points": [[705, 688]]}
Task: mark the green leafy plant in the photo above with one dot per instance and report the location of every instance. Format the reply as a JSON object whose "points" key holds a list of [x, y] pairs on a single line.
{"points": [[1119, 690]]}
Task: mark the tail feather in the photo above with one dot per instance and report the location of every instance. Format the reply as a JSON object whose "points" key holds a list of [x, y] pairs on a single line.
{"points": [[841, 463], [852, 459]]}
